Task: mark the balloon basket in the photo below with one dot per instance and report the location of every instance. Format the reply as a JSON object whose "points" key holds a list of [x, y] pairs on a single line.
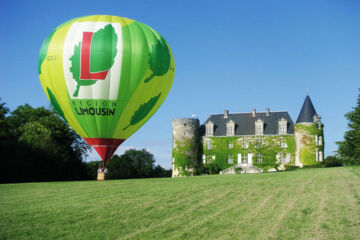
{"points": [[101, 176]]}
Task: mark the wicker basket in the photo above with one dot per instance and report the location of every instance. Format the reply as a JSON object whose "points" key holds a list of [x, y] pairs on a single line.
{"points": [[101, 176]]}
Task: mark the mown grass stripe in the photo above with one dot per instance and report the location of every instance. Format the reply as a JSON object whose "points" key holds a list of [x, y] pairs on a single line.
{"points": [[304, 204], [237, 214]]}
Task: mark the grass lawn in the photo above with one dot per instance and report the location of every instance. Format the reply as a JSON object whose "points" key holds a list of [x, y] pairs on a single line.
{"points": [[303, 204]]}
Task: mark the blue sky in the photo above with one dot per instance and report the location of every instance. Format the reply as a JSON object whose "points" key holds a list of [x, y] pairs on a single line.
{"points": [[234, 55]]}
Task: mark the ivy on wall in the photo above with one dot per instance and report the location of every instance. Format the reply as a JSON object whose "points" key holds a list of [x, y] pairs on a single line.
{"points": [[186, 155], [269, 149], [188, 160], [308, 153], [221, 151], [311, 129]]}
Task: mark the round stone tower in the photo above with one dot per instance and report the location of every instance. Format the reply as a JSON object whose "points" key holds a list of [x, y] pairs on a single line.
{"points": [[309, 136], [184, 146]]}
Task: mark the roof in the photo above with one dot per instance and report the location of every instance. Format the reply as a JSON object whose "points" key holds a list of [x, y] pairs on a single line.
{"points": [[245, 123], [307, 111]]}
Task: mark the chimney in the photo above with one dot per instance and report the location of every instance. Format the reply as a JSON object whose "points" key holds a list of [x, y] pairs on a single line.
{"points": [[268, 112], [254, 112], [226, 113]]}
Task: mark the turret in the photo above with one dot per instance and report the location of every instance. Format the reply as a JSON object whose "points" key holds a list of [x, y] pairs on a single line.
{"points": [[309, 137], [307, 112], [185, 146]]}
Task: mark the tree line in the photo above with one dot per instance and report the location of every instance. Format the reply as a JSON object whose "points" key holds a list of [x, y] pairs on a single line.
{"points": [[348, 152], [37, 145]]}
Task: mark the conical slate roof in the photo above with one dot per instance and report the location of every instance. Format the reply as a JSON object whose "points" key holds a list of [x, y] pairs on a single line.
{"points": [[307, 112]]}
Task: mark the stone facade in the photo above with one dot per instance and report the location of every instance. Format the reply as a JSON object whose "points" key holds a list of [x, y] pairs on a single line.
{"points": [[184, 129]]}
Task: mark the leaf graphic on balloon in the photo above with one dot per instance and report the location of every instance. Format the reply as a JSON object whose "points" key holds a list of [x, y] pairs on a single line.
{"points": [[55, 104], [102, 54], [159, 59], [143, 111]]}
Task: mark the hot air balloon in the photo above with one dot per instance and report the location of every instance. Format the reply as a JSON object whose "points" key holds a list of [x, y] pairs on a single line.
{"points": [[105, 76]]}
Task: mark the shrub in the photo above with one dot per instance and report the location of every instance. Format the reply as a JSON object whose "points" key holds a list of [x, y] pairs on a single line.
{"points": [[291, 168], [332, 161]]}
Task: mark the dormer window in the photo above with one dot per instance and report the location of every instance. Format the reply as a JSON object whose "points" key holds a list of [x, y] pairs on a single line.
{"points": [[209, 128], [259, 127], [230, 128], [282, 126]]}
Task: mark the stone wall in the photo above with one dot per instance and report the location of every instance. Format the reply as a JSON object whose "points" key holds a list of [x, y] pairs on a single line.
{"points": [[184, 129], [309, 144]]}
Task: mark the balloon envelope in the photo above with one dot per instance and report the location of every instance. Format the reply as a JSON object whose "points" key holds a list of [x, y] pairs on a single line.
{"points": [[106, 76]]}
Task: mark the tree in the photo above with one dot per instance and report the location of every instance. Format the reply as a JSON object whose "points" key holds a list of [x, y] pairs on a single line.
{"points": [[332, 161], [40, 146], [4, 128], [92, 168], [61, 134], [120, 167], [142, 162], [132, 164], [349, 148], [135, 164], [36, 135], [159, 171]]}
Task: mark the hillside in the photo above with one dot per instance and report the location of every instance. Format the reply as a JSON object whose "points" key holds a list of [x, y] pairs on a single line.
{"points": [[303, 204]]}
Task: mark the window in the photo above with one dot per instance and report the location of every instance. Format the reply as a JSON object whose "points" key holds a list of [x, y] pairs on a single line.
{"points": [[230, 128], [282, 126], [259, 127], [245, 145], [258, 143], [209, 128], [283, 143], [259, 158], [208, 144], [244, 158], [230, 159], [258, 130], [230, 145], [208, 159], [282, 158]]}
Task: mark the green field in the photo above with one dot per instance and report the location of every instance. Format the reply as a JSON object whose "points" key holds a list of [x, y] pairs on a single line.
{"points": [[305, 204]]}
